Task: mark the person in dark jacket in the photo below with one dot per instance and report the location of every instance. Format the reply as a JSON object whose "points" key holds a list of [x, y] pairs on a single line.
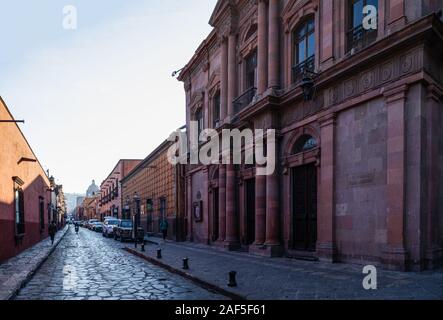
{"points": [[164, 228], [52, 231]]}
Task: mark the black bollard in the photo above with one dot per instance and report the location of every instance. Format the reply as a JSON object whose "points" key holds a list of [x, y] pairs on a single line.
{"points": [[185, 263], [232, 281], [159, 253], [143, 246]]}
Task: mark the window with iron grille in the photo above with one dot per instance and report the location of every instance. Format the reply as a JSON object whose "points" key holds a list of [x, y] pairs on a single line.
{"points": [[304, 49], [357, 36], [216, 110], [199, 119], [19, 211], [251, 71]]}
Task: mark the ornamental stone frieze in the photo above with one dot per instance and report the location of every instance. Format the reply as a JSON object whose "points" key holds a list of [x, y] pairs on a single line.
{"points": [[380, 74]]}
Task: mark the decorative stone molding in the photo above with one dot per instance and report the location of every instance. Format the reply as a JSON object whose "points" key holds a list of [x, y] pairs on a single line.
{"points": [[369, 79], [296, 10]]}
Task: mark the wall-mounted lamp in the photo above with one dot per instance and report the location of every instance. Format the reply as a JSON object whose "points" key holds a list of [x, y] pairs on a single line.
{"points": [[308, 85], [175, 73]]}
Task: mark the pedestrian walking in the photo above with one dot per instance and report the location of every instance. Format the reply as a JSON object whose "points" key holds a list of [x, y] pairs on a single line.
{"points": [[52, 231], [164, 228]]}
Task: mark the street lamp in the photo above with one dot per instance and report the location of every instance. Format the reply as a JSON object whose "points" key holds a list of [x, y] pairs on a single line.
{"points": [[136, 217]]}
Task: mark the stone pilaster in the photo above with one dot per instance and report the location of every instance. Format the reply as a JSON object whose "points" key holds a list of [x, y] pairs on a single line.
{"points": [[394, 254], [326, 242], [262, 68]]}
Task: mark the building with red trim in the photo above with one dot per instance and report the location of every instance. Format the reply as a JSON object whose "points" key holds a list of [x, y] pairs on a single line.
{"points": [[359, 120]]}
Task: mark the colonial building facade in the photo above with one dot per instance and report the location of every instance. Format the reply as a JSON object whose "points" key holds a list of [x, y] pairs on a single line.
{"points": [[359, 121], [159, 186], [25, 191], [110, 189]]}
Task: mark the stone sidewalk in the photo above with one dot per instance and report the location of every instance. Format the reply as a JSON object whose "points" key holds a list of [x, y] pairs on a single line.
{"points": [[15, 272], [261, 278]]}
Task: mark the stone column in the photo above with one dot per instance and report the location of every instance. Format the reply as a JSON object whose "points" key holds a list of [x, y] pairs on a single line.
{"points": [[262, 68], [222, 202], [272, 208], [260, 209], [326, 246], [189, 236], [231, 217], [224, 80], [274, 45], [394, 255], [433, 250], [232, 73]]}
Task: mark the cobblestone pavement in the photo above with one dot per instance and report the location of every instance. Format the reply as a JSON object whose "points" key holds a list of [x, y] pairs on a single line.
{"points": [[89, 267], [288, 279], [15, 271]]}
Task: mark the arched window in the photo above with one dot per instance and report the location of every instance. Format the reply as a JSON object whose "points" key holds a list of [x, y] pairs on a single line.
{"points": [[304, 143], [303, 49]]}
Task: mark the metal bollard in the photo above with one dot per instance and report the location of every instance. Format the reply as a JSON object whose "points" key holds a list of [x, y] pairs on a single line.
{"points": [[143, 246], [185, 263], [159, 253], [232, 281]]}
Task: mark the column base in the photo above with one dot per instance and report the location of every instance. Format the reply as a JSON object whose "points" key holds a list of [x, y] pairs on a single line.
{"points": [[231, 245], [264, 250], [434, 257], [327, 252], [395, 258]]}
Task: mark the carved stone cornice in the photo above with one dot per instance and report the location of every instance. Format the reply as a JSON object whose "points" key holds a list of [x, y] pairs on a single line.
{"points": [[435, 92]]}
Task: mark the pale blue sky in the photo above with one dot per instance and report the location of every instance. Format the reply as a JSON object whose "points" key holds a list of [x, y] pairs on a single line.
{"points": [[103, 92]]}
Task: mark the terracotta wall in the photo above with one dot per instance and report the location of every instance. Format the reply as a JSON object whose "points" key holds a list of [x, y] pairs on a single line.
{"points": [[13, 147]]}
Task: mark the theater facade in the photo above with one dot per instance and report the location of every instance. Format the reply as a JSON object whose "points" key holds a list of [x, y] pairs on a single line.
{"points": [[359, 119]]}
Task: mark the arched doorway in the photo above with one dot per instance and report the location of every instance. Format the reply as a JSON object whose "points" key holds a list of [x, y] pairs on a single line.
{"points": [[304, 185]]}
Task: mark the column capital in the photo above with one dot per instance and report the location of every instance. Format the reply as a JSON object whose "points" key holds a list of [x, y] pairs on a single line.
{"points": [[435, 92], [327, 120], [393, 94]]}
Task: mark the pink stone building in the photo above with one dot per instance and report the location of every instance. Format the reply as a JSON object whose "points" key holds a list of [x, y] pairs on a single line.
{"points": [[110, 204], [359, 118]]}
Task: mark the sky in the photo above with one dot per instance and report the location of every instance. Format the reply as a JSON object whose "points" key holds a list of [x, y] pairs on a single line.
{"points": [[103, 91]]}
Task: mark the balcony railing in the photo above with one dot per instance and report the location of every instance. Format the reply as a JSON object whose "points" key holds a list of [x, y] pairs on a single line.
{"points": [[358, 37], [244, 100], [300, 70]]}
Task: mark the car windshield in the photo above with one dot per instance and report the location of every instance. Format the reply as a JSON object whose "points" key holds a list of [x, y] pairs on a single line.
{"points": [[113, 222], [126, 224]]}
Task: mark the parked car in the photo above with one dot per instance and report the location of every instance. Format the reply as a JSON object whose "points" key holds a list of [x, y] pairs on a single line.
{"points": [[97, 226], [108, 227], [123, 231], [90, 223]]}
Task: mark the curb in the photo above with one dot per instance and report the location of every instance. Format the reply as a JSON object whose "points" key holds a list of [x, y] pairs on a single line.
{"points": [[31, 273], [198, 281]]}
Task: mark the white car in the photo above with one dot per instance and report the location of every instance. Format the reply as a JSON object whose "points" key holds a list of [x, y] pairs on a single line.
{"points": [[108, 227]]}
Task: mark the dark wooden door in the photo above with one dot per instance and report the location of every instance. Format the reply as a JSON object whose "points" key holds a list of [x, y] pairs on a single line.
{"points": [[304, 207], [215, 216], [250, 211]]}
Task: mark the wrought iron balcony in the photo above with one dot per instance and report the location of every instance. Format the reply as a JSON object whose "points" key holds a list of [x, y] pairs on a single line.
{"points": [[300, 70], [358, 37], [244, 100]]}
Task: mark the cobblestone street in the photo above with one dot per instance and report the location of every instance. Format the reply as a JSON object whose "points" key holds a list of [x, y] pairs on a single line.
{"points": [[89, 267]]}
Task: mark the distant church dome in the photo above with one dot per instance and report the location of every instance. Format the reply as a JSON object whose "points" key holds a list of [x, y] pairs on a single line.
{"points": [[92, 190]]}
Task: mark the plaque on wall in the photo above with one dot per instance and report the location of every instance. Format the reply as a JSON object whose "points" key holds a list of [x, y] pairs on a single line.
{"points": [[198, 210]]}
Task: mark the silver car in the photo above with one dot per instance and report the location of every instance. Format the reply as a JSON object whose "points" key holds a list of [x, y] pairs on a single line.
{"points": [[108, 227]]}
